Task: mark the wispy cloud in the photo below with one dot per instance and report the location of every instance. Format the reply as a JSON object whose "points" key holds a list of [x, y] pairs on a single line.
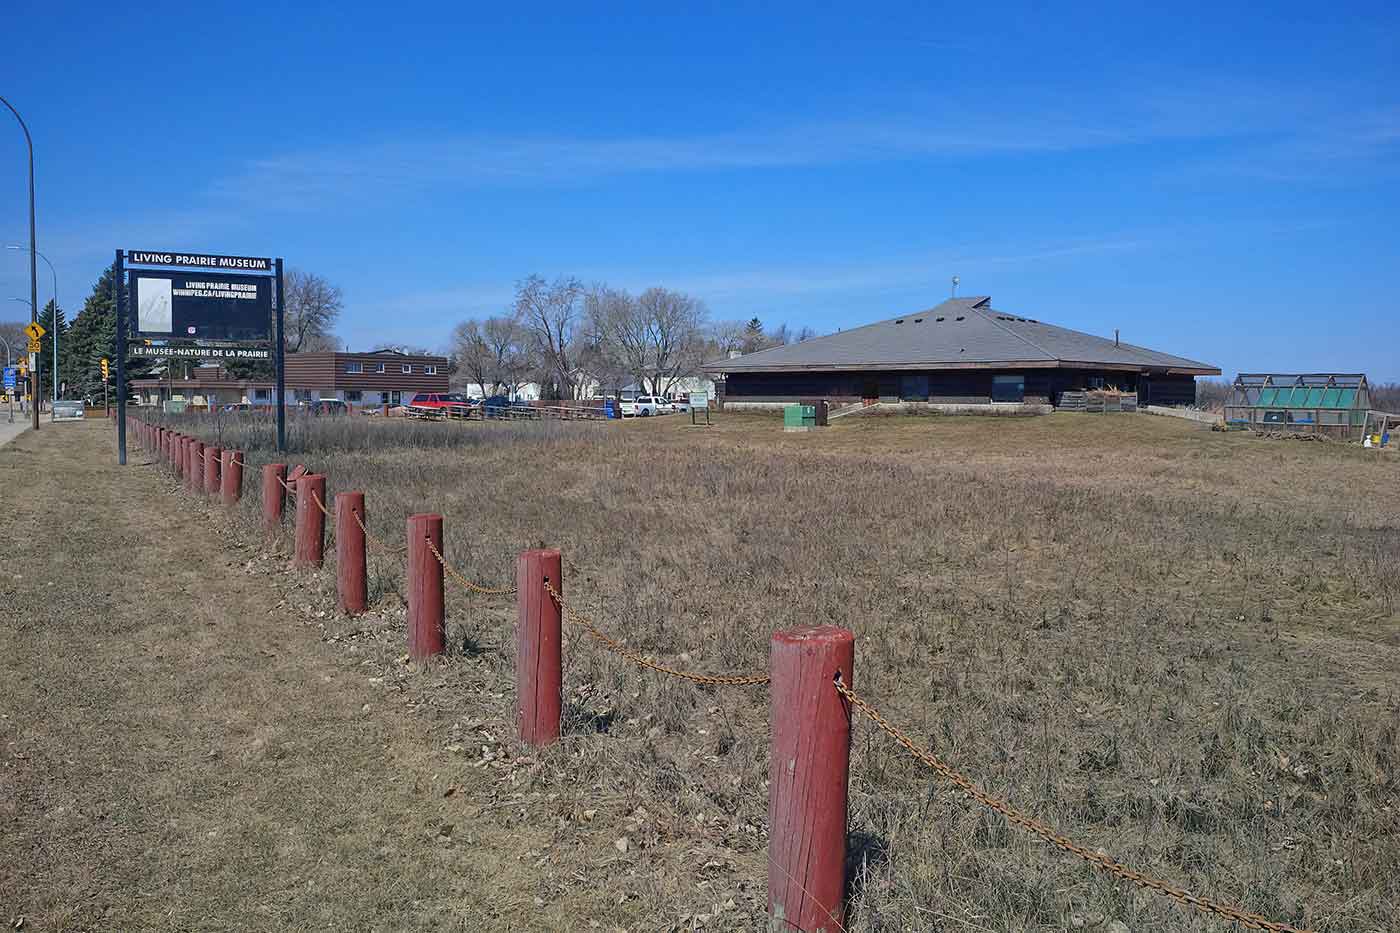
{"points": [[1280, 131]]}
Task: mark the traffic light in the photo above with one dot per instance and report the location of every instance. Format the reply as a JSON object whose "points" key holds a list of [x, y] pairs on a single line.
{"points": [[104, 367]]}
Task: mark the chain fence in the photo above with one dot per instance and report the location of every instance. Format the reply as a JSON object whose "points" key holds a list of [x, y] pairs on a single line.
{"points": [[1031, 824], [473, 587], [1036, 827], [713, 680]]}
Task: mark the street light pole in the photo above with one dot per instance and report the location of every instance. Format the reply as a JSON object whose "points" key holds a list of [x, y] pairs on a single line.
{"points": [[33, 251], [8, 394], [56, 328]]}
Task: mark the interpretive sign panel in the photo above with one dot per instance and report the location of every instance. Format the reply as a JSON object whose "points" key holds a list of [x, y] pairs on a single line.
{"points": [[201, 305]]}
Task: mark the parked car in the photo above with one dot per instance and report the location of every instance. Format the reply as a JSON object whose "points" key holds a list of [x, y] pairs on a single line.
{"points": [[238, 406], [645, 406], [323, 406], [681, 406], [439, 404]]}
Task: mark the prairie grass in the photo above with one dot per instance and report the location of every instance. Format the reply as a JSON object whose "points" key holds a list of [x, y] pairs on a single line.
{"points": [[1180, 646]]}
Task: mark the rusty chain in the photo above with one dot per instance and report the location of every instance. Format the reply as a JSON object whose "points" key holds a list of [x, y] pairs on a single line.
{"points": [[474, 587], [714, 680], [375, 540], [1029, 823]]}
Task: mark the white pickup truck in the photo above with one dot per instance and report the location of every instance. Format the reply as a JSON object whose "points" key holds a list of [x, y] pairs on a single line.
{"points": [[644, 406]]}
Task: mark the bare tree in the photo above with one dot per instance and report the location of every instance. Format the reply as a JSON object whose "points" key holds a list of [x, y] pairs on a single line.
{"points": [[13, 332], [675, 331], [492, 353], [553, 314], [657, 337], [726, 337], [313, 305]]}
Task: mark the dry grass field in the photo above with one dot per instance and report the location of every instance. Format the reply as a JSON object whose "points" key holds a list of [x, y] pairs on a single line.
{"points": [[1179, 646]]}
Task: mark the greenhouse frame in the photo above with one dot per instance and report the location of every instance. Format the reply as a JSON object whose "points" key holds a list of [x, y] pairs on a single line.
{"points": [[1334, 405]]}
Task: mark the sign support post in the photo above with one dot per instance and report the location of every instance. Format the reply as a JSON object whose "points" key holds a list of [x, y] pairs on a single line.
{"points": [[119, 283], [280, 351]]}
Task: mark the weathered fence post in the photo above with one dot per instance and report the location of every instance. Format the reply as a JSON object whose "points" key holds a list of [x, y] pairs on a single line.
{"points": [[194, 475], [539, 673], [177, 451], [231, 478], [807, 772], [274, 495], [311, 522], [211, 470], [426, 629], [352, 589], [187, 456]]}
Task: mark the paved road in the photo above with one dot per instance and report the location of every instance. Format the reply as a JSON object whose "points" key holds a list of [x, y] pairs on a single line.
{"points": [[9, 432]]}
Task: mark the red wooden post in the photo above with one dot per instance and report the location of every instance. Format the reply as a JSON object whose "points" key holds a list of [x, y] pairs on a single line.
{"points": [[211, 470], [539, 672], [194, 473], [811, 743], [426, 631], [185, 457], [274, 495], [231, 477], [310, 522], [352, 589], [175, 461]]}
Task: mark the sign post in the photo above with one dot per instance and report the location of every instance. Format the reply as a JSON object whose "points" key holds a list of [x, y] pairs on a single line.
{"points": [[186, 310], [701, 401]]}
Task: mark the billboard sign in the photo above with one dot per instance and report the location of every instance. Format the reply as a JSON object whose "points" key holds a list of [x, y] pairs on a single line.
{"points": [[200, 306]]}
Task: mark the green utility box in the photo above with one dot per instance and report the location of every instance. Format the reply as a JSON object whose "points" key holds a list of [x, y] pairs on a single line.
{"points": [[799, 417]]}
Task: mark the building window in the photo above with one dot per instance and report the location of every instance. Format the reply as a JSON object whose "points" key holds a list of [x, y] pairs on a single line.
{"points": [[259, 395], [1008, 388], [379, 367], [354, 367], [408, 367], [430, 370], [352, 395]]}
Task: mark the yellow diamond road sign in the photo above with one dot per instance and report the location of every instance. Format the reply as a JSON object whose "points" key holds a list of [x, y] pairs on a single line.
{"points": [[34, 330]]}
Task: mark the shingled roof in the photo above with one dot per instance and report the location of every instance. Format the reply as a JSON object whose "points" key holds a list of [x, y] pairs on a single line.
{"points": [[957, 334]]}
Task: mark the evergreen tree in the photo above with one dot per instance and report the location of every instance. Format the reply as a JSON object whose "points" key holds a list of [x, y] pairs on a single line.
{"points": [[753, 336], [92, 336], [53, 321]]}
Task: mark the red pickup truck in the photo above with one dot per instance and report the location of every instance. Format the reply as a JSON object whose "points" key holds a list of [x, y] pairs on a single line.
{"points": [[439, 405]]}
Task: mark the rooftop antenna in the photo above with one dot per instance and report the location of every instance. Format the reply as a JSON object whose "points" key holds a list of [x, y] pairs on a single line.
{"points": [[956, 280]]}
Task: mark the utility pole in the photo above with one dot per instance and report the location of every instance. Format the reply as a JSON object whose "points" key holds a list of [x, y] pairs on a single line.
{"points": [[33, 256]]}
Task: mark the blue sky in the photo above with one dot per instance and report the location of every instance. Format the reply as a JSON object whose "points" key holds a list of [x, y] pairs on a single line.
{"points": [[1218, 182]]}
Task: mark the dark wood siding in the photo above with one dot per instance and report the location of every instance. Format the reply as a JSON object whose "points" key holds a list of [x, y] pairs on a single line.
{"points": [[953, 386], [328, 371]]}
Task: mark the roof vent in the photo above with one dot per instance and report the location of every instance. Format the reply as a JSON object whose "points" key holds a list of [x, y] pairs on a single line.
{"points": [[959, 318], [918, 320], [938, 319], [899, 320]]}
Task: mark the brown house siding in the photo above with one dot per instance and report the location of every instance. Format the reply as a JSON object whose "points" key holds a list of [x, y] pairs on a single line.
{"points": [[328, 371]]}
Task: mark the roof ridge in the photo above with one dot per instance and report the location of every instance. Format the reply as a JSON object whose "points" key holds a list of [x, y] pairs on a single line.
{"points": [[990, 314]]}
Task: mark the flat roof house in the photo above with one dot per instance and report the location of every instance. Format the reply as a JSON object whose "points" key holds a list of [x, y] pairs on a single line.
{"points": [[963, 351]]}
